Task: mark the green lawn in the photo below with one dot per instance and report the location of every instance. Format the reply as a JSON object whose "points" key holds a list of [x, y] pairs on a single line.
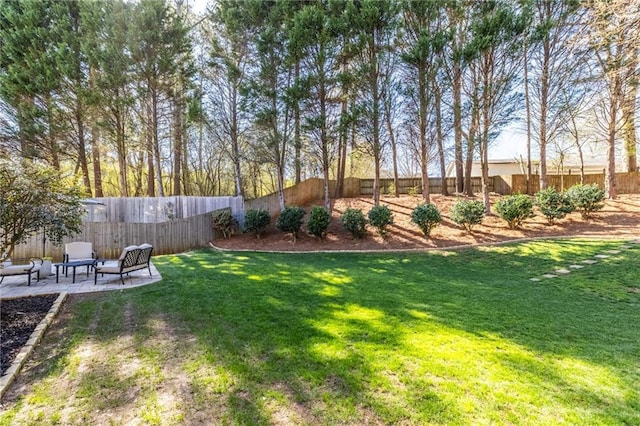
{"points": [[458, 337]]}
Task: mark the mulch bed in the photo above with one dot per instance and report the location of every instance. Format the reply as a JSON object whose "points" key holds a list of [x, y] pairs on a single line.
{"points": [[18, 318]]}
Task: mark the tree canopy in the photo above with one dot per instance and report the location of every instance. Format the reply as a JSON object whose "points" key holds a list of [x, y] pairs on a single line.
{"points": [[152, 98], [34, 199]]}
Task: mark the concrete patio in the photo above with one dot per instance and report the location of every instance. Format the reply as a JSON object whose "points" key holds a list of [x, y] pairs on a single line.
{"points": [[16, 286]]}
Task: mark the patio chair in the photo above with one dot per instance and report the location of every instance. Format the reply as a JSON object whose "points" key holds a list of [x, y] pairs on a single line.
{"points": [[21, 267], [131, 259], [77, 251]]}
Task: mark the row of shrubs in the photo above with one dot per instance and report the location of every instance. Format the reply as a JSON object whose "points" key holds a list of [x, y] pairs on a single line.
{"points": [[514, 209]]}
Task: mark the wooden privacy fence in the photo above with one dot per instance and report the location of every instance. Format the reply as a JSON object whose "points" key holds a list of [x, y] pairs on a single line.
{"points": [[313, 190], [626, 183], [159, 209], [170, 224], [414, 185]]}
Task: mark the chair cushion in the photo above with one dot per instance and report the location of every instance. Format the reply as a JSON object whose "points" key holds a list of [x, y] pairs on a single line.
{"points": [[78, 250], [16, 270], [126, 250]]}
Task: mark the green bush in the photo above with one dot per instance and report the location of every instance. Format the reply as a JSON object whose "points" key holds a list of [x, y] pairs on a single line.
{"points": [[319, 220], [554, 205], [354, 222], [586, 198], [514, 209], [380, 217], [427, 217], [414, 191], [256, 221], [467, 213], [290, 220], [223, 222]]}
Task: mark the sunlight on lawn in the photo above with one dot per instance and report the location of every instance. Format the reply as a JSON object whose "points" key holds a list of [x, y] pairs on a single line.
{"points": [[426, 338]]}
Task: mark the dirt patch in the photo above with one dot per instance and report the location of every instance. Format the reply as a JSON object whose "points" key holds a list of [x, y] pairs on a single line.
{"points": [[18, 318], [619, 218]]}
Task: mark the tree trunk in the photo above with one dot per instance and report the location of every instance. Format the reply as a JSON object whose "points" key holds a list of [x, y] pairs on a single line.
{"points": [[82, 149], [457, 124], [122, 155], [629, 128], [610, 172], [527, 104], [394, 148], [422, 118], [440, 139], [177, 141], [97, 165], [297, 140], [151, 187], [342, 149], [156, 142], [544, 99]]}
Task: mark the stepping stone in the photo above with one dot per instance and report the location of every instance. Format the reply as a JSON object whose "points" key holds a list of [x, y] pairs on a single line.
{"points": [[550, 276], [562, 271], [612, 251], [576, 266], [625, 247], [534, 279], [601, 256], [589, 261]]}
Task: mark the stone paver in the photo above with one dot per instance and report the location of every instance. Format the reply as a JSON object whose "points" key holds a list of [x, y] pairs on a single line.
{"points": [[534, 279], [625, 247], [601, 256], [550, 276], [576, 266], [589, 261], [613, 251], [17, 286], [562, 271]]}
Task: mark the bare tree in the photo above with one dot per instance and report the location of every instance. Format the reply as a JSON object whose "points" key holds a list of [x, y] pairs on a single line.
{"points": [[611, 31]]}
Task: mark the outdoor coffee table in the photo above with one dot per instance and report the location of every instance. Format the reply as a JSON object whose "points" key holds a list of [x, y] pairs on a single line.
{"points": [[66, 265]]}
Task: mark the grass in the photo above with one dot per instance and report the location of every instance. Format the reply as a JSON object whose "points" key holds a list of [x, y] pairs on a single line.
{"points": [[458, 337]]}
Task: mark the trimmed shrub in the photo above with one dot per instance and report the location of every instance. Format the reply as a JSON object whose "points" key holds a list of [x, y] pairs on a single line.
{"points": [[427, 217], [514, 209], [380, 217], [290, 220], [256, 221], [223, 222], [586, 198], [467, 213], [319, 220], [354, 222], [554, 205]]}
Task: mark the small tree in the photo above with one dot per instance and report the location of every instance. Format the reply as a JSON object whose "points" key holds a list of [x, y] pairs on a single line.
{"points": [[586, 198], [354, 222], [34, 199], [427, 217], [319, 221], [553, 204], [467, 213], [290, 220], [256, 221], [514, 209], [380, 217], [223, 222]]}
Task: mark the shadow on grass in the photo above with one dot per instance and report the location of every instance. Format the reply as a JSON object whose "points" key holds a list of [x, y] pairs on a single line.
{"points": [[395, 338], [322, 323]]}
